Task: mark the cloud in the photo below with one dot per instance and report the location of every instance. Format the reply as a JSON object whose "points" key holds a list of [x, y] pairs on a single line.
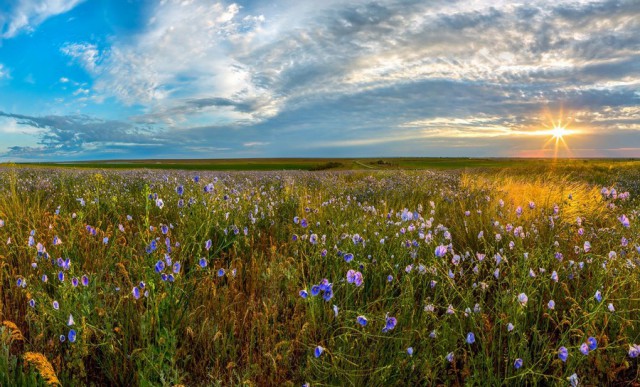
{"points": [[311, 75], [4, 72], [26, 15]]}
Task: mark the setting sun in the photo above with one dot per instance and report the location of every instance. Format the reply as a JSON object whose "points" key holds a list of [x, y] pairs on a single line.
{"points": [[559, 132]]}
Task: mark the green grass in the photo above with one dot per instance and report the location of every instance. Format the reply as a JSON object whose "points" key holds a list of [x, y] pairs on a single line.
{"points": [[249, 326]]}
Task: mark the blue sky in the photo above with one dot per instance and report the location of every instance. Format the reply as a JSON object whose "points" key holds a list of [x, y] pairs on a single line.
{"points": [[116, 79]]}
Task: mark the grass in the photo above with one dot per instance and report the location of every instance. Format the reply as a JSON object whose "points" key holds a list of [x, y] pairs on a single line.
{"points": [[240, 319]]}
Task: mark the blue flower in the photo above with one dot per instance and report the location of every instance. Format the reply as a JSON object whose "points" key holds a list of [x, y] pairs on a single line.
{"points": [[180, 190], [56, 305], [522, 299], [441, 251], [592, 343], [471, 338], [362, 320], [335, 310], [517, 364], [328, 294], [303, 293], [598, 296], [584, 348], [176, 267], [32, 303], [159, 266], [75, 282], [318, 351], [61, 276], [389, 278], [136, 292], [220, 272], [563, 354], [551, 304], [207, 244], [202, 262], [85, 280], [348, 257], [315, 290], [634, 350], [390, 323], [62, 338], [449, 357], [410, 351], [351, 276], [573, 379]]}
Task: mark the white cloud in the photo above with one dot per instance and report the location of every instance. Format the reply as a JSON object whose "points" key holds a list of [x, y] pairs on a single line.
{"points": [[4, 72], [26, 15]]}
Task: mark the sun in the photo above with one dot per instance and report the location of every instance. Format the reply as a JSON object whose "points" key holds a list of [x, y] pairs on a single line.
{"points": [[559, 131]]}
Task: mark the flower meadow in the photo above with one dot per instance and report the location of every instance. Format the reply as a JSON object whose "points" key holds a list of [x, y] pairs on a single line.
{"points": [[140, 277]]}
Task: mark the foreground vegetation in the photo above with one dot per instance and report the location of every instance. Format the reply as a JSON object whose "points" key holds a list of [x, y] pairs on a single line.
{"points": [[524, 275]]}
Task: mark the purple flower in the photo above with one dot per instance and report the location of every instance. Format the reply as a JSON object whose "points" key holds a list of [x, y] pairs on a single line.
{"points": [[74, 282], [56, 305], [61, 276], [318, 351], [362, 320], [351, 276], [390, 323], [220, 272], [598, 296], [358, 280], [449, 357], [348, 257], [441, 251], [563, 354], [517, 364], [584, 348], [624, 220], [303, 293], [315, 290], [207, 245], [136, 292], [551, 304], [85, 280], [159, 266], [202, 262], [523, 299], [634, 350], [32, 303], [471, 338], [410, 351]]}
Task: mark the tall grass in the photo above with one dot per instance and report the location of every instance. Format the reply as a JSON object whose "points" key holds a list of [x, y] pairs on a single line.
{"points": [[240, 319]]}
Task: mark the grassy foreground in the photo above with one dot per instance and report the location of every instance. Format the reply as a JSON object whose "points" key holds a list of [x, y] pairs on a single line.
{"points": [[516, 276]]}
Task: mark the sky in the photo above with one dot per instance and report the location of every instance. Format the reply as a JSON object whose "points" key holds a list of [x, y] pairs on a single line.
{"points": [[125, 79]]}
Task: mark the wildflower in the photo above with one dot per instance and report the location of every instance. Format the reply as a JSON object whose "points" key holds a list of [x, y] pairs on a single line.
{"points": [[207, 245], [176, 267], [592, 343], [70, 322], [624, 220], [517, 364], [433, 334], [62, 338], [450, 309], [584, 348], [358, 279], [410, 351], [441, 251], [136, 292], [362, 320], [315, 290], [32, 303], [563, 354], [348, 257], [56, 305], [449, 357], [303, 293], [85, 280], [471, 338], [634, 350], [598, 296], [554, 276], [335, 310], [202, 262], [61, 276], [74, 282], [510, 327], [390, 323], [573, 379], [551, 304], [611, 308], [220, 272], [522, 299], [318, 351], [159, 266], [389, 278], [304, 223], [180, 190]]}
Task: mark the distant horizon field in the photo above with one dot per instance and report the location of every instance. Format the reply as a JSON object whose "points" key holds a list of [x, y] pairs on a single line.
{"points": [[335, 164]]}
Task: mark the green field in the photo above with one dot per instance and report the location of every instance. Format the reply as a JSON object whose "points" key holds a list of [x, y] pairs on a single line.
{"points": [[404, 272]]}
